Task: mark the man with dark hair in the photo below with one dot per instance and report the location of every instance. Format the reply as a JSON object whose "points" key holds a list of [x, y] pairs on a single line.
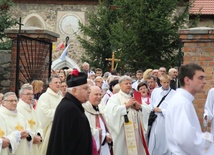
{"points": [[46, 107], [71, 133], [98, 72], [109, 92], [139, 76], [152, 84], [183, 130]]}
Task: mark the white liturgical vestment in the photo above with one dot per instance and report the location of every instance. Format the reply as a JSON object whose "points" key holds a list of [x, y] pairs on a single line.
{"points": [[16, 123], [91, 115], [114, 112], [209, 108], [30, 115], [183, 131], [45, 111]]}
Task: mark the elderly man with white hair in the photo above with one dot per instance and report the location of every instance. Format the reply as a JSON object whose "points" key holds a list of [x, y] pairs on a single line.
{"points": [[16, 127], [97, 122], [70, 133], [124, 118], [174, 83], [25, 107]]}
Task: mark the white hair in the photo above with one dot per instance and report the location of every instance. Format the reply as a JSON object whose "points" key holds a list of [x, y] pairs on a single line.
{"points": [[125, 77]]}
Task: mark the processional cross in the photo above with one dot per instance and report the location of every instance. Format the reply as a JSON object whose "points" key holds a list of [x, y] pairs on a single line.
{"points": [[112, 59]]}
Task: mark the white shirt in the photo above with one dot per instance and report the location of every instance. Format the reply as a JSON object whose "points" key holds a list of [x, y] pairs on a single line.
{"points": [[209, 109], [183, 131], [136, 83]]}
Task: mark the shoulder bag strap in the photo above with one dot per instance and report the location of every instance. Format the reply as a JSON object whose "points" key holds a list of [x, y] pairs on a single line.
{"points": [[163, 98]]}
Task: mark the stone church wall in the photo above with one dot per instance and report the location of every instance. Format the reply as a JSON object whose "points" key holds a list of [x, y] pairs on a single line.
{"points": [[5, 61], [50, 19]]}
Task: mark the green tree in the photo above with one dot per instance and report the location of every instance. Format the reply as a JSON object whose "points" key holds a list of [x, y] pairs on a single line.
{"points": [[98, 47], [6, 21], [143, 33]]}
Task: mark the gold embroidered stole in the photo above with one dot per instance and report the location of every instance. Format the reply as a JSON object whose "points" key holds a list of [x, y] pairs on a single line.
{"points": [[129, 128]]}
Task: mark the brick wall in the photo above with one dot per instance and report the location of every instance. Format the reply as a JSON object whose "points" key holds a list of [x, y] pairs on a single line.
{"points": [[32, 55], [198, 47]]}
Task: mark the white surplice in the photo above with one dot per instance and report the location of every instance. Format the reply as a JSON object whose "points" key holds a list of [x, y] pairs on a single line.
{"points": [[146, 109], [45, 111], [136, 83], [91, 115], [15, 124], [35, 126], [209, 108], [184, 135], [157, 141], [114, 112]]}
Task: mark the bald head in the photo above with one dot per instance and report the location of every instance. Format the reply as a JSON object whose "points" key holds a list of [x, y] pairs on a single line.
{"points": [[95, 95], [173, 73]]}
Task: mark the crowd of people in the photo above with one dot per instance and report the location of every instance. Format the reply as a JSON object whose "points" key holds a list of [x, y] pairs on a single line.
{"points": [[94, 113]]}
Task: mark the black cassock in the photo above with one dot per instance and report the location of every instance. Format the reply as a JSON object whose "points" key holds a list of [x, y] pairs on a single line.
{"points": [[70, 133]]}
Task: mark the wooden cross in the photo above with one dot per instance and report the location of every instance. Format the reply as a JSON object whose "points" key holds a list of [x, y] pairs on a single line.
{"points": [[31, 123], [19, 127], [1, 133], [112, 59]]}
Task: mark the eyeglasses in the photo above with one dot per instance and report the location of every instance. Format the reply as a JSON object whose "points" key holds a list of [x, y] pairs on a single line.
{"points": [[11, 101], [28, 94], [99, 81]]}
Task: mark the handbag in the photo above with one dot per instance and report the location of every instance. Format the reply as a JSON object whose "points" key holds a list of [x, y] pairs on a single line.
{"points": [[152, 118], [152, 115]]}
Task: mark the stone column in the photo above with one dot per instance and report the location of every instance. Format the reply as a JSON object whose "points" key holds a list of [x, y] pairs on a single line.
{"points": [[41, 34], [198, 47]]}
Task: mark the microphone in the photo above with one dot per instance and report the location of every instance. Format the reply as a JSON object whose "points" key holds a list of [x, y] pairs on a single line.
{"points": [[126, 119]]}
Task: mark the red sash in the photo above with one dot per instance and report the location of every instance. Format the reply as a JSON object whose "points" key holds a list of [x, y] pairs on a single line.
{"points": [[100, 134], [143, 140]]}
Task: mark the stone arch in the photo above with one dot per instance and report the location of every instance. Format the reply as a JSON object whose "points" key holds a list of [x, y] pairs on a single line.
{"points": [[34, 20], [68, 62]]}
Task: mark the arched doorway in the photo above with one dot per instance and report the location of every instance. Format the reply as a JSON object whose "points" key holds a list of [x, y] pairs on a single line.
{"points": [[59, 64]]}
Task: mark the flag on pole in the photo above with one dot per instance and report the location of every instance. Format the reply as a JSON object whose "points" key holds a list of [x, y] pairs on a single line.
{"points": [[59, 47], [64, 53]]}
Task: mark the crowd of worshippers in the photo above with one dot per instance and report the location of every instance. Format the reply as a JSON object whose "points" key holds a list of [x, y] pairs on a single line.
{"points": [[90, 113]]}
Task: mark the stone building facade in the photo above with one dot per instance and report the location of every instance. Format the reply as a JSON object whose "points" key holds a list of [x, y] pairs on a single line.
{"points": [[59, 17]]}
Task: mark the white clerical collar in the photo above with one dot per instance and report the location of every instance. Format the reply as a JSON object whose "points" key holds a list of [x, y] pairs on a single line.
{"points": [[27, 105], [165, 89], [124, 94], [185, 93]]}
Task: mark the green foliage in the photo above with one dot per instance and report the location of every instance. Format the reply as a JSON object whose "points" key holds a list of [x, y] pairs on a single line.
{"points": [[143, 33], [6, 45], [6, 18]]}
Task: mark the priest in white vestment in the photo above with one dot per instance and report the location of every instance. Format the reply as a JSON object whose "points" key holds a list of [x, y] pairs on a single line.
{"points": [[25, 107], [4, 141], [184, 135], [97, 122], [209, 110], [157, 140], [124, 119], [16, 125], [45, 110]]}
